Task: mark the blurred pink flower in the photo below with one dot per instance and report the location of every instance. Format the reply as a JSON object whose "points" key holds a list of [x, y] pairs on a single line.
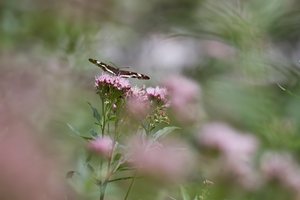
{"points": [[222, 137], [114, 81], [184, 98], [138, 104], [157, 93], [283, 168], [102, 145], [28, 170], [138, 108], [236, 149], [167, 162]]}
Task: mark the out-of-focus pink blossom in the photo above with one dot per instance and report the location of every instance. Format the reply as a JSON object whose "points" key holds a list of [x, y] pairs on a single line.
{"points": [[28, 170], [113, 81], [168, 162], [138, 104], [283, 168], [102, 145], [222, 137], [184, 98], [157, 93], [237, 151], [138, 108]]}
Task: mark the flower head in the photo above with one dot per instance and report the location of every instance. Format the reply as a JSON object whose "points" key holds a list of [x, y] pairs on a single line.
{"points": [[114, 82], [102, 145], [157, 93], [136, 92]]}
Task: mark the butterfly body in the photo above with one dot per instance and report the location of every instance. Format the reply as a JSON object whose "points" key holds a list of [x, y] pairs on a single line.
{"points": [[117, 72]]}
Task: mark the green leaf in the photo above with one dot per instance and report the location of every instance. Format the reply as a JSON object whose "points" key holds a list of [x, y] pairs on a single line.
{"points": [[196, 198], [74, 130], [93, 133], [96, 114], [90, 167], [163, 132], [184, 194], [88, 158], [112, 118], [86, 137], [123, 167], [77, 133], [117, 157]]}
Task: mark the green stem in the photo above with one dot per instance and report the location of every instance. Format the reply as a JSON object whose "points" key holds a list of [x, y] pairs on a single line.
{"points": [[130, 186], [121, 179], [103, 116], [102, 190], [106, 181], [145, 128]]}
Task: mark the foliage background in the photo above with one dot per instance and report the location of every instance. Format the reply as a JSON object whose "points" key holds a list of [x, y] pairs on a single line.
{"points": [[244, 54]]}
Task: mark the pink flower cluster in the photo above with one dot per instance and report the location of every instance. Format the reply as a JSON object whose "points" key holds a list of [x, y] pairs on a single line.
{"points": [[139, 93], [157, 93], [140, 102], [168, 161], [237, 151], [283, 168], [113, 81]]}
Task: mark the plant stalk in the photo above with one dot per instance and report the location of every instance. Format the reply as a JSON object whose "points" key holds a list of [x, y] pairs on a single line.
{"points": [[130, 186]]}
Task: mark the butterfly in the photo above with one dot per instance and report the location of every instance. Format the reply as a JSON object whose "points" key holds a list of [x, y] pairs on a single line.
{"points": [[117, 72]]}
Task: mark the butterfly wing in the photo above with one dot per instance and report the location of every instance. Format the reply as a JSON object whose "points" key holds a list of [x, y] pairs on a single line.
{"points": [[105, 67], [129, 74], [118, 72]]}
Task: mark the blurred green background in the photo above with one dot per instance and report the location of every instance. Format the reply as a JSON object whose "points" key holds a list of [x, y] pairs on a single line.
{"points": [[244, 55]]}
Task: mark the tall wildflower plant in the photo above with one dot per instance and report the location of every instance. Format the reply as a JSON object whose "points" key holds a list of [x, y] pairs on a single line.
{"points": [[130, 122]]}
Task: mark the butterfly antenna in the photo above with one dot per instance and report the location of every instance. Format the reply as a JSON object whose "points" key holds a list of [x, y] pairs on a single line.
{"points": [[127, 67], [114, 65]]}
